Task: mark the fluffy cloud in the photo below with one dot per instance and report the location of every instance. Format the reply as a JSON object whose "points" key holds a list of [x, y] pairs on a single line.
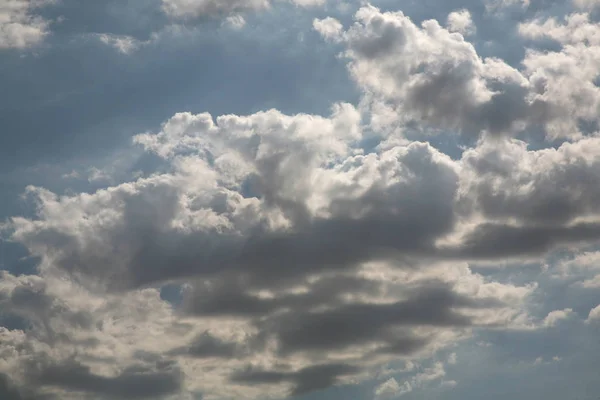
{"points": [[556, 316], [461, 22], [283, 231], [303, 256], [429, 74], [19, 26], [594, 315], [429, 77], [329, 28]]}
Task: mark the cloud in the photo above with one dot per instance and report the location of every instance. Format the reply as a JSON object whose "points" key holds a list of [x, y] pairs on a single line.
{"points": [[554, 317], [461, 22], [305, 255], [132, 383], [305, 380], [391, 388], [457, 90], [19, 26], [392, 59], [586, 4], [198, 8], [507, 182], [594, 315], [123, 43], [329, 28], [452, 359], [8, 390]]}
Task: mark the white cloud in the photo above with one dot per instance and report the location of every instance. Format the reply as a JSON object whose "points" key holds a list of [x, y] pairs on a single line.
{"points": [[20, 27], [239, 188], [554, 317], [391, 59], [235, 21], [391, 388], [594, 315], [460, 21], [329, 28], [428, 75]]}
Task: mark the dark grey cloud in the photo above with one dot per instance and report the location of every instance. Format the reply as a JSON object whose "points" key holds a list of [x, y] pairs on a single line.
{"points": [[226, 297], [502, 241], [305, 380], [357, 324], [556, 187], [207, 346], [132, 383], [8, 391]]}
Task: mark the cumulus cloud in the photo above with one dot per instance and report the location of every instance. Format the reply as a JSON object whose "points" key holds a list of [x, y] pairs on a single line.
{"points": [[20, 27], [302, 257], [429, 77], [554, 317], [461, 22], [594, 315], [329, 28], [283, 232], [391, 388]]}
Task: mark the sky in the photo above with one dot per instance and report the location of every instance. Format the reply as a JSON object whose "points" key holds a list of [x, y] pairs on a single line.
{"points": [[308, 199]]}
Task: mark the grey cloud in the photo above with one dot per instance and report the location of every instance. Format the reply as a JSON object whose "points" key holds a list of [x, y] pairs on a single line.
{"points": [[305, 380], [8, 391], [405, 215], [132, 383], [531, 200], [26, 298], [502, 241], [392, 59], [230, 298], [197, 8], [207, 346], [355, 324]]}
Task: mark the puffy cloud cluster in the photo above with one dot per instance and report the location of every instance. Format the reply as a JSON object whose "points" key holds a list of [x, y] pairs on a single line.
{"points": [[306, 262], [430, 77], [304, 258]]}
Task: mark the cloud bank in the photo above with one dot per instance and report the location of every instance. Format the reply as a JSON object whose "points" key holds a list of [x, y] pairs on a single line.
{"points": [[309, 251]]}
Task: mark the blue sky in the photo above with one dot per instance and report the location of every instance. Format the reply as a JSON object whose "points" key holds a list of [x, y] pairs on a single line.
{"points": [[318, 199]]}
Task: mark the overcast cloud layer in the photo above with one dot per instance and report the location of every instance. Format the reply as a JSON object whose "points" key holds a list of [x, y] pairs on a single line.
{"points": [[208, 199]]}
